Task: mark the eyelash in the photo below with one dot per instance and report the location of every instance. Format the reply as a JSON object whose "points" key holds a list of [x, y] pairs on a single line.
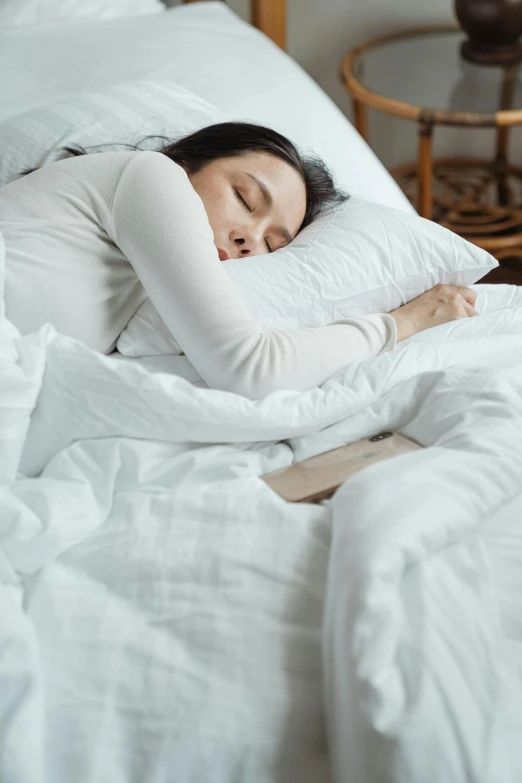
{"points": [[240, 197]]}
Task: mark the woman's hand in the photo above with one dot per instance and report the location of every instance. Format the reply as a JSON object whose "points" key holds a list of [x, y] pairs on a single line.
{"points": [[440, 305]]}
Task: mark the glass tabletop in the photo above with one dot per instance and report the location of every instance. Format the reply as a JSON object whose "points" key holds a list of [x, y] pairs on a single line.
{"points": [[428, 70]]}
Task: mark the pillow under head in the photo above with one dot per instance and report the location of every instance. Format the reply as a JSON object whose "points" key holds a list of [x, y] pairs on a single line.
{"points": [[354, 260]]}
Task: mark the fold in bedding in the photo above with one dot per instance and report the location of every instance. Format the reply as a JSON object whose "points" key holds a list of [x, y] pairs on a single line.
{"points": [[163, 609]]}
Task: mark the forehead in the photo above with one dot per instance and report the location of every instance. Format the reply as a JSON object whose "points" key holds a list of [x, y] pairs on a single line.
{"points": [[264, 163]]}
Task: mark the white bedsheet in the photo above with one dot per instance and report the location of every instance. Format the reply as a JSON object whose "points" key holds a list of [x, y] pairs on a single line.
{"points": [[162, 608], [208, 49]]}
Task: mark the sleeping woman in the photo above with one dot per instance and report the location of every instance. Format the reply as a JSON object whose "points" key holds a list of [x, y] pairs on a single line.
{"points": [[88, 238]]}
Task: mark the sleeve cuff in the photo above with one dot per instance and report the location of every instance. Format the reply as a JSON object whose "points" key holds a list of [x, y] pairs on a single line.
{"points": [[387, 328]]}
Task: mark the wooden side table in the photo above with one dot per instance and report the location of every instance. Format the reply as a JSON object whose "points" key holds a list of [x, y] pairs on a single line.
{"points": [[479, 199]]}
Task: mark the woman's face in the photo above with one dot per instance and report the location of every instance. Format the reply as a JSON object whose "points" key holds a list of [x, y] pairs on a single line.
{"points": [[255, 203]]}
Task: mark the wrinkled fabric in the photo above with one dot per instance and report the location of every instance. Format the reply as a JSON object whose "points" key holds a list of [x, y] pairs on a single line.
{"points": [[162, 609]]}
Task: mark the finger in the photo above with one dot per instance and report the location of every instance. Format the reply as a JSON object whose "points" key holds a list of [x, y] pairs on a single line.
{"points": [[468, 294], [470, 310]]}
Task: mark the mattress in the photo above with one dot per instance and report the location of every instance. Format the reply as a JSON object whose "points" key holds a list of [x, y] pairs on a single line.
{"points": [[198, 46]]}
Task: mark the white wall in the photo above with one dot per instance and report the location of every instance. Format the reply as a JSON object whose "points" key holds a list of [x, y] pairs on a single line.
{"points": [[321, 32]]}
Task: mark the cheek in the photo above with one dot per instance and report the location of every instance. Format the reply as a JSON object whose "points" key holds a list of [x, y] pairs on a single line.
{"points": [[221, 207]]}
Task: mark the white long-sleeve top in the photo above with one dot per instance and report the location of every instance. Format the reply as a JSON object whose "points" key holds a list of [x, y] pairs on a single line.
{"points": [[88, 238]]}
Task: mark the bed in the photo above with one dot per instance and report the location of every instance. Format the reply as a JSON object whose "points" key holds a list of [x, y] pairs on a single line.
{"points": [[164, 615]]}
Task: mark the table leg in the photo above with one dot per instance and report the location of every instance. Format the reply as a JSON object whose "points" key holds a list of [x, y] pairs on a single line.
{"points": [[499, 165], [425, 175], [361, 118]]}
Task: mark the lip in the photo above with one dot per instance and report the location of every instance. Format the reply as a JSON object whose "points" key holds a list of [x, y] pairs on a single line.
{"points": [[223, 256]]}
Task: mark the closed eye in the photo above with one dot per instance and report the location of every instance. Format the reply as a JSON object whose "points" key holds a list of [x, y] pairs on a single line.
{"points": [[240, 197]]}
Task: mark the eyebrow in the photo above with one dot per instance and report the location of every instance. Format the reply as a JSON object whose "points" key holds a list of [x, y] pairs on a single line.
{"points": [[267, 197]]}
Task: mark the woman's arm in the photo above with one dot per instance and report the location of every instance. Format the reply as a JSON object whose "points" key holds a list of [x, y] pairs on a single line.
{"points": [[160, 224]]}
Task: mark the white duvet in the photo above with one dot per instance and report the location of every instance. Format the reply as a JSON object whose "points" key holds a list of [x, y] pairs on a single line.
{"points": [[162, 609]]}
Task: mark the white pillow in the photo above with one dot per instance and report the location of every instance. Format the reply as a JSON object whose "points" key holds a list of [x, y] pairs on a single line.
{"points": [[357, 259], [124, 113], [24, 12]]}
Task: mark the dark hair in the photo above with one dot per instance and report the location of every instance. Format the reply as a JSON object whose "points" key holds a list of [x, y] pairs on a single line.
{"points": [[230, 139]]}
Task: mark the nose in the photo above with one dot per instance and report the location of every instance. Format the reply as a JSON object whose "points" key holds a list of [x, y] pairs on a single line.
{"points": [[248, 242], [244, 249]]}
